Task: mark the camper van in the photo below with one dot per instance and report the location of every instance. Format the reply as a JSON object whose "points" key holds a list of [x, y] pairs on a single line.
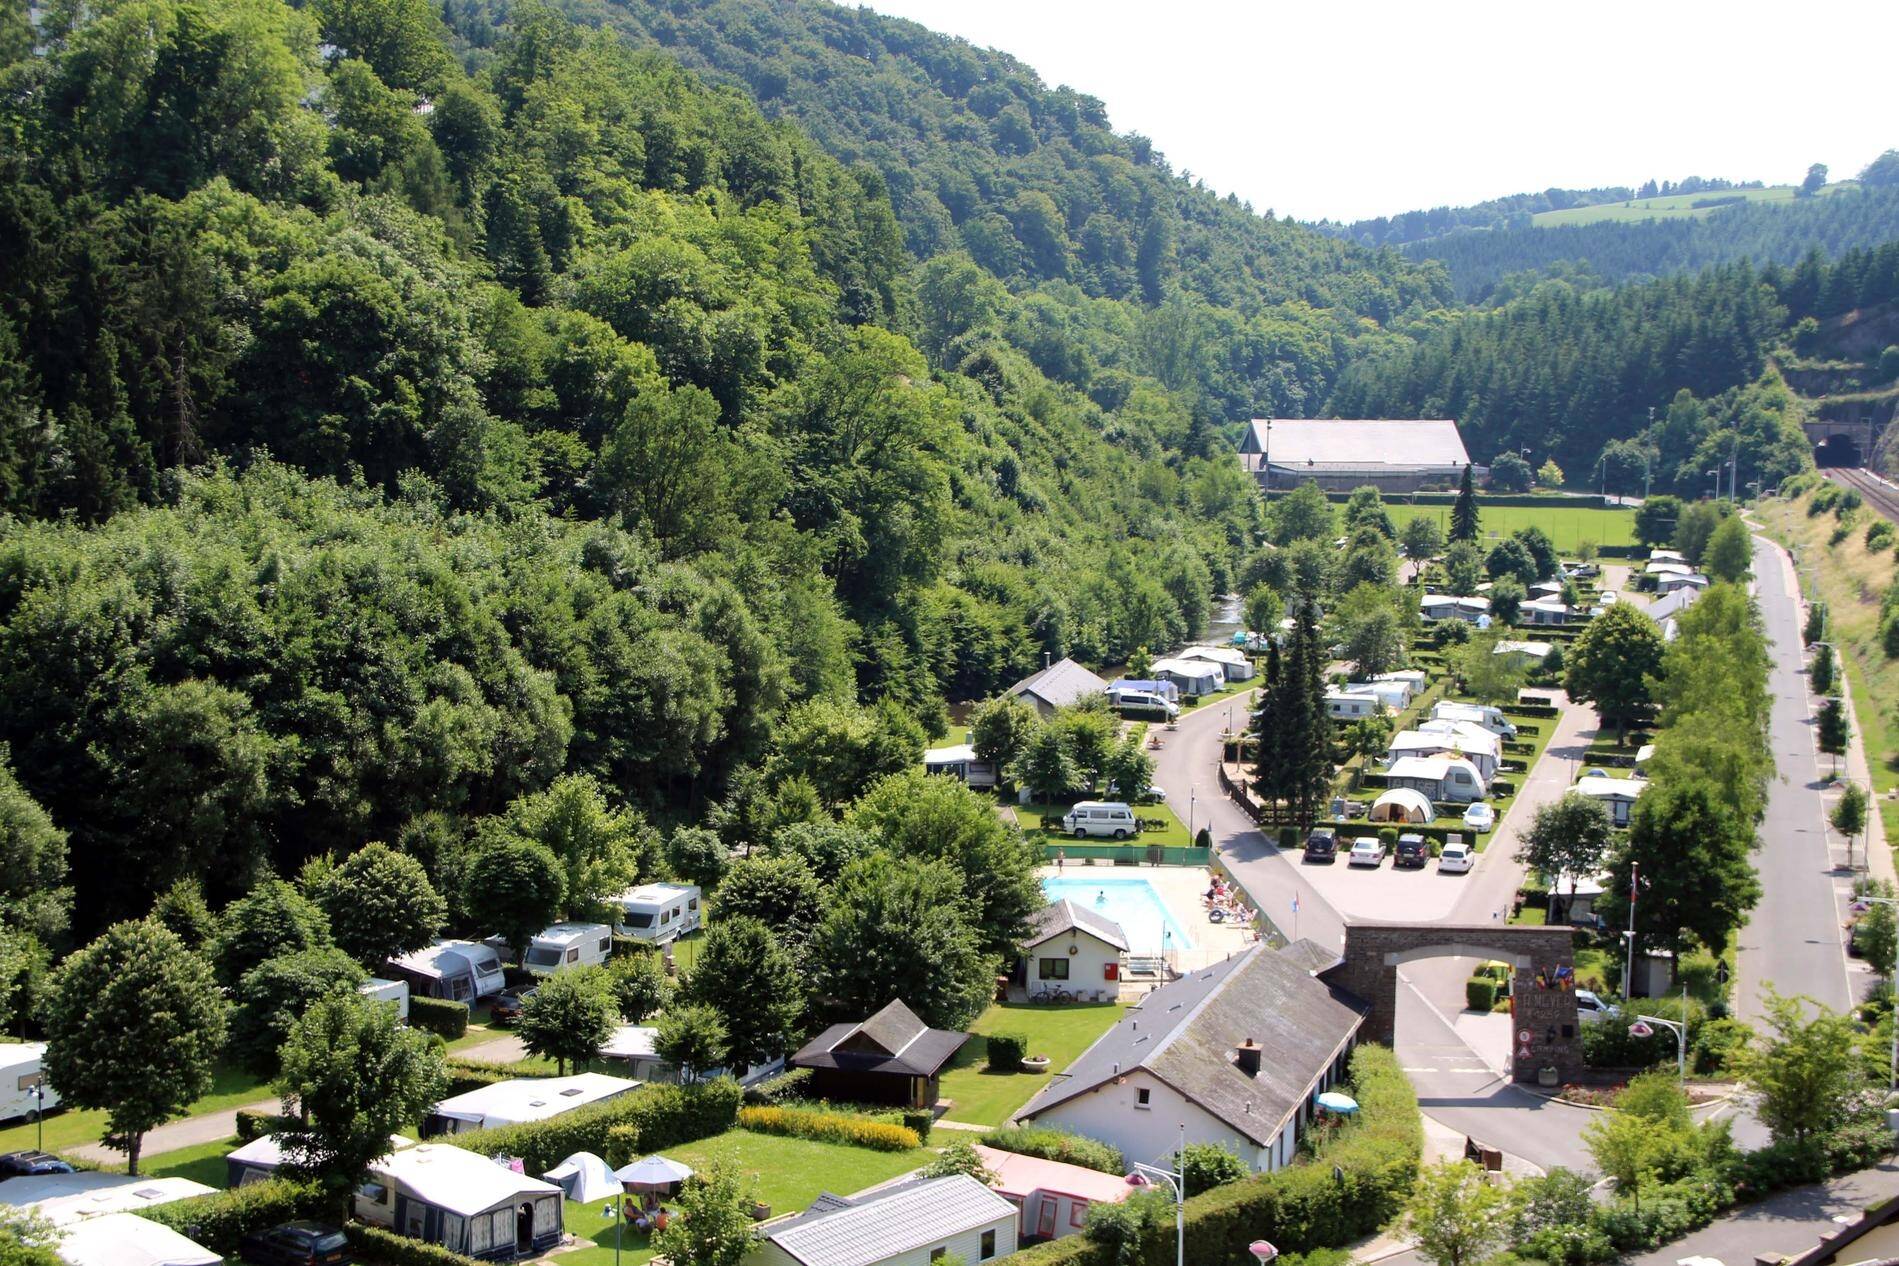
{"points": [[1490, 718], [657, 913], [1101, 817], [20, 1081], [568, 947]]}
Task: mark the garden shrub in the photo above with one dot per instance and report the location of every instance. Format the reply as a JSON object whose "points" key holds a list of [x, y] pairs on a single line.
{"points": [[786, 1085], [439, 1015], [375, 1243], [1006, 1052], [1879, 535], [1480, 993], [661, 1116], [829, 1127], [222, 1219], [1058, 1145], [919, 1120], [1717, 1042], [255, 1125], [623, 1145]]}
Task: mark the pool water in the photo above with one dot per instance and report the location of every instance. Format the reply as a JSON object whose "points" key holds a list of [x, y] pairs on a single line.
{"points": [[1132, 903]]}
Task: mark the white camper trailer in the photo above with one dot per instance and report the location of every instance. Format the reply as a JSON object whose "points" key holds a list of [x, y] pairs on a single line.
{"points": [[461, 971], [657, 913], [393, 992], [20, 1081], [568, 947]]}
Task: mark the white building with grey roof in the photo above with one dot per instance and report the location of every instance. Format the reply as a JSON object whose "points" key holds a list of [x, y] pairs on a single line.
{"points": [[909, 1223], [1340, 454], [1235, 1053], [1071, 947]]}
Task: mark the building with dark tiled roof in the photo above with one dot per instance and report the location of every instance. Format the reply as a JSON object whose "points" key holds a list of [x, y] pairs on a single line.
{"points": [[893, 1057], [1235, 1052], [1060, 684]]}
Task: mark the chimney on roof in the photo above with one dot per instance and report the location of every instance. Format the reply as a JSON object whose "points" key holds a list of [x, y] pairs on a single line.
{"points": [[1246, 1058]]}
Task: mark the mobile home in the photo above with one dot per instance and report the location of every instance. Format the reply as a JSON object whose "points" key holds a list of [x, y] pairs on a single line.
{"points": [[961, 763], [1449, 778], [521, 1099], [20, 1082], [461, 971], [1195, 677], [1490, 718], [1236, 664], [1350, 705], [657, 913], [442, 1194]]}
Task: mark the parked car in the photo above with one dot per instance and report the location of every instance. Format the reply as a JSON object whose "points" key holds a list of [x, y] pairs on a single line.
{"points": [[1480, 817], [1456, 859], [296, 1244], [508, 1007], [29, 1163], [1367, 850], [1322, 845], [1591, 1008], [1153, 795], [1411, 853]]}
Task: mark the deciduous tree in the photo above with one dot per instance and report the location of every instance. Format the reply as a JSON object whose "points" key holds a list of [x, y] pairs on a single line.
{"points": [[1457, 1215], [273, 994], [901, 926], [1802, 1071], [1612, 663], [745, 974], [568, 1017], [380, 903]]}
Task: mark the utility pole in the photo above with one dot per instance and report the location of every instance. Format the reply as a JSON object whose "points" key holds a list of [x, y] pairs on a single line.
{"points": [[1628, 956]]}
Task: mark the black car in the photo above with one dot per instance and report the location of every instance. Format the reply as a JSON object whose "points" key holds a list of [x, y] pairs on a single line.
{"points": [[507, 1006], [296, 1244], [1411, 853], [1322, 845], [24, 1164]]}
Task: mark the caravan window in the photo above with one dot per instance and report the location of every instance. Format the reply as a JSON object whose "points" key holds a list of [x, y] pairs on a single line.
{"points": [[573, 955], [606, 945], [543, 956], [634, 920], [28, 1081], [665, 917], [693, 904]]}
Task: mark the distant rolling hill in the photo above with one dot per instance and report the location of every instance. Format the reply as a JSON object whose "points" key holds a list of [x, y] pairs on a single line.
{"points": [[1676, 206]]}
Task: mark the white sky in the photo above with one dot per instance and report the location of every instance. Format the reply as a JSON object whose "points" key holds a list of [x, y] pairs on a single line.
{"points": [[1355, 108]]}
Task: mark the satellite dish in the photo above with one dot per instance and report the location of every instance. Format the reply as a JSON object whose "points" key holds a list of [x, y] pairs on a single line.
{"points": [[1641, 1029]]}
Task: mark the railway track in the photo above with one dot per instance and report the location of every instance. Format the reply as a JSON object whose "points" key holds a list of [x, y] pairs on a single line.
{"points": [[1876, 492]]}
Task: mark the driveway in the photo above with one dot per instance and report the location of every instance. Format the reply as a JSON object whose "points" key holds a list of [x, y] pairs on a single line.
{"points": [[1792, 941]]}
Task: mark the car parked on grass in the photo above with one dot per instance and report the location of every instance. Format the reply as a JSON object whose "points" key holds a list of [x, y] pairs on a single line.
{"points": [[1480, 817], [508, 1007], [1411, 853], [1322, 845], [296, 1244], [1367, 850], [29, 1163], [1456, 859]]}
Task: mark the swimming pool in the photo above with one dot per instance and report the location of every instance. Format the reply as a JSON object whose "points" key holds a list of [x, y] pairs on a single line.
{"points": [[1133, 903]]}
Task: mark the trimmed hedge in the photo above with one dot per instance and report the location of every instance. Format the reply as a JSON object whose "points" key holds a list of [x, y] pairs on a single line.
{"points": [[255, 1125], [1058, 1145], [789, 1084], [223, 1218], [1301, 1208], [439, 1015], [1480, 993], [661, 1117], [465, 1075], [1006, 1051], [919, 1120], [380, 1245], [829, 1127]]}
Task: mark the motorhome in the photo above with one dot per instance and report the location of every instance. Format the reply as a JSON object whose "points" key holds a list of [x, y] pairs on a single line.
{"points": [[657, 913], [21, 1085], [568, 947]]}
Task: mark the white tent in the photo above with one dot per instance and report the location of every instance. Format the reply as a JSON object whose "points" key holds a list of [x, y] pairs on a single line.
{"points": [[126, 1239], [585, 1178], [1402, 804]]}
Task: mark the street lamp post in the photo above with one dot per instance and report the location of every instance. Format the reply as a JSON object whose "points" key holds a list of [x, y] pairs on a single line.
{"points": [[38, 1091], [1176, 1180], [1644, 1027], [617, 1215]]}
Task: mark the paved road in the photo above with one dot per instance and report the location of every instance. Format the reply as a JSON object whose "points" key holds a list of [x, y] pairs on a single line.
{"points": [[173, 1136], [1793, 940]]}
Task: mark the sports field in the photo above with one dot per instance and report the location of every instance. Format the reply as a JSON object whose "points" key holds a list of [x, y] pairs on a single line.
{"points": [[1566, 527], [1673, 207]]}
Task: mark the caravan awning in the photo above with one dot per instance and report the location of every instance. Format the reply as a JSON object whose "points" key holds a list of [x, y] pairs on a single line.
{"points": [[1402, 804]]}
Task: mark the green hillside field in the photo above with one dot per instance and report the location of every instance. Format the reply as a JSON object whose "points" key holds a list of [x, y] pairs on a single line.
{"points": [[1672, 207]]}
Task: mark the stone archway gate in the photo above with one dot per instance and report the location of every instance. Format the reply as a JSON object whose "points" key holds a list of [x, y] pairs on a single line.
{"points": [[1545, 1029]]}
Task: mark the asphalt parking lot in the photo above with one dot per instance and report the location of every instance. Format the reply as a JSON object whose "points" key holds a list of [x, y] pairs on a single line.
{"points": [[1359, 892]]}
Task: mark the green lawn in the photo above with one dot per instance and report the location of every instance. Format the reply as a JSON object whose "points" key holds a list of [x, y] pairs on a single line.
{"points": [[203, 1163], [786, 1173], [232, 1088], [1031, 816], [1059, 1032], [1566, 526], [1672, 207]]}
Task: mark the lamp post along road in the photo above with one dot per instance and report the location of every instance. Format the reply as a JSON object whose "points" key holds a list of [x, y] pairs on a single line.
{"points": [[1644, 1027], [1176, 1181]]}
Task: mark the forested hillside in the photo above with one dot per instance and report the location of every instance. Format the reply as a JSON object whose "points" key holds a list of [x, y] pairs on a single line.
{"points": [[1119, 266], [1765, 233], [1654, 377], [384, 442]]}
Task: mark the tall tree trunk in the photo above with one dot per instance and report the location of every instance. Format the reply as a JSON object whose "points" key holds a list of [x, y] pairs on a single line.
{"points": [[132, 1146]]}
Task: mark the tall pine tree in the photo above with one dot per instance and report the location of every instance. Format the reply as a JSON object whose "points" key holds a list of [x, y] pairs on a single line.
{"points": [[1464, 525], [1269, 777], [1305, 728]]}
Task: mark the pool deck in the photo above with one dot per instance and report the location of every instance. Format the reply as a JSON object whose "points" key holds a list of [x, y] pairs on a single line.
{"points": [[1180, 889]]}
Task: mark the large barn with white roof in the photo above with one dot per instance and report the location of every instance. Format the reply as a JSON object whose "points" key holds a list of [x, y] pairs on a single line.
{"points": [[1340, 454]]}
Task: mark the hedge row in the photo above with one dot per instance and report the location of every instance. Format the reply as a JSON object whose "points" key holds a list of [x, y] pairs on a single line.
{"points": [[786, 1085], [222, 1219], [661, 1117], [255, 1125], [1301, 1208], [386, 1247], [829, 1127], [439, 1015], [465, 1074], [1058, 1145]]}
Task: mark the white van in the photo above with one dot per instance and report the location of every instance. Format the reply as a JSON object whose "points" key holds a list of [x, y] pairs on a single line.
{"points": [[19, 1075], [657, 913], [1112, 818], [568, 947], [1143, 702], [1490, 718]]}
